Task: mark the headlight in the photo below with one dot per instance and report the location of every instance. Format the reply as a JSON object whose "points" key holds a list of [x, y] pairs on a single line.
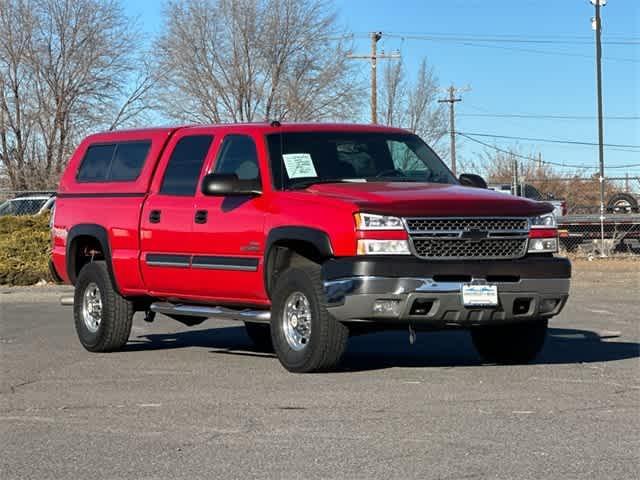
{"points": [[548, 220], [543, 237], [370, 221], [383, 247]]}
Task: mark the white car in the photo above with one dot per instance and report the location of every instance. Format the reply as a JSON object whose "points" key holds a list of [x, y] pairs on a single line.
{"points": [[29, 205]]}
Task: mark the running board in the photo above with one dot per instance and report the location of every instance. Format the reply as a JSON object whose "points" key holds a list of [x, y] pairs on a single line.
{"points": [[221, 313]]}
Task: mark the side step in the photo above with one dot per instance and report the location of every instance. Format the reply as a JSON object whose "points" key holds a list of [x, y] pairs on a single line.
{"points": [[222, 313]]}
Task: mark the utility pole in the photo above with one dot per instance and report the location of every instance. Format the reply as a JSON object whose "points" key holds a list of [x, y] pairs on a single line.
{"points": [[597, 25], [452, 100], [373, 58], [516, 179]]}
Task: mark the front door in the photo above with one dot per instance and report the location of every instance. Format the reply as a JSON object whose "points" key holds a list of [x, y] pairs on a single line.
{"points": [[166, 226], [228, 231]]}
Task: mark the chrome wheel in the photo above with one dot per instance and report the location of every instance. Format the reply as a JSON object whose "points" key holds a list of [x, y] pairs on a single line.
{"points": [[622, 206], [296, 321], [92, 307]]}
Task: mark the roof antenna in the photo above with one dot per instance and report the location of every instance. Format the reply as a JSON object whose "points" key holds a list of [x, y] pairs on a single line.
{"points": [[275, 123]]}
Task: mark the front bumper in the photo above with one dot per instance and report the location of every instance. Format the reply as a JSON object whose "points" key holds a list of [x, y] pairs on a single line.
{"points": [[429, 293]]}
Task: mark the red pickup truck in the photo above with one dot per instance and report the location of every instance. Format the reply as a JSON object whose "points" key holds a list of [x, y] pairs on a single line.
{"points": [[306, 233]]}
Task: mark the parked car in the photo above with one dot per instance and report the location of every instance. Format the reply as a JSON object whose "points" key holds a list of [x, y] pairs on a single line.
{"points": [[28, 205], [304, 232]]}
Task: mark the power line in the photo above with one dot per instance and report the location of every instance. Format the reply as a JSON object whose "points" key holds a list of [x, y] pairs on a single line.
{"points": [[516, 49], [547, 116], [569, 40], [549, 140], [508, 152], [538, 160]]}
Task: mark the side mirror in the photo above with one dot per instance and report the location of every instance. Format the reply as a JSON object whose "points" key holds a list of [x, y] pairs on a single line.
{"points": [[223, 184], [472, 180]]}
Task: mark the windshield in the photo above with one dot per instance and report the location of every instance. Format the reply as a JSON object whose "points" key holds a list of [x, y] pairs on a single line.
{"points": [[302, 159]]}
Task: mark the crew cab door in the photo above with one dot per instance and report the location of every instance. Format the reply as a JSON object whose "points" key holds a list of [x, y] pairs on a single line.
{"points": [[167, 216], [229, 230]]}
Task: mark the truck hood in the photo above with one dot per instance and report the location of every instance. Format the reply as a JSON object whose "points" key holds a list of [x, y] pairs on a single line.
{"points": [[430, 199]]}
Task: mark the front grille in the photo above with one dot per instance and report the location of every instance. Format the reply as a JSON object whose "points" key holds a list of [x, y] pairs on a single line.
{"points": [[456, 249], [468, 238], [418, 225]]}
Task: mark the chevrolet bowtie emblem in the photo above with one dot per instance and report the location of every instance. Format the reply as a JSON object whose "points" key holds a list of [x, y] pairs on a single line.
{"points": [[474, 235]]}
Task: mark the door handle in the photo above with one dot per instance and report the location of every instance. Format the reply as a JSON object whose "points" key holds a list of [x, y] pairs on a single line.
{"points": [[201, 216], [154, 216]]}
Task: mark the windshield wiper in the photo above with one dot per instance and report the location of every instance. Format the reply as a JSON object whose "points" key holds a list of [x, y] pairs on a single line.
{"points": [[307, 182]]}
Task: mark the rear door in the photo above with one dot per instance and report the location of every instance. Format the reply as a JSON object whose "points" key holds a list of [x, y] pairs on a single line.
{"points": [[167, 215], [229, 231]]}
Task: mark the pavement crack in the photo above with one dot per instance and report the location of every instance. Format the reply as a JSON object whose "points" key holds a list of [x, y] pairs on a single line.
{"points": [[12, 388]]}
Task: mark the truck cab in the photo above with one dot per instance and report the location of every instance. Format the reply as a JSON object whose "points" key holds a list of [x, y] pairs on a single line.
{"points": [[305, 232]]}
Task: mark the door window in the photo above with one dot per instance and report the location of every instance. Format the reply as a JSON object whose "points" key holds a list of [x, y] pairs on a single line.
{"points": [[183, 170], [238, 156]]}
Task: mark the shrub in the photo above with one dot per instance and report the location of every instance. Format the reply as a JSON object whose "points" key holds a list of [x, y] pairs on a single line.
{"points": [[24, 249]]}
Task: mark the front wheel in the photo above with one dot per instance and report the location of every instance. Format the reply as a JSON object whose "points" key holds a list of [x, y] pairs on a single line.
{"points": [[306, 338], [510, 344]]}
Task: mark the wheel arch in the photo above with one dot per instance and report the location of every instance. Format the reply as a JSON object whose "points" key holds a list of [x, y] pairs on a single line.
{"points": [[286, 244], [91, 234]]}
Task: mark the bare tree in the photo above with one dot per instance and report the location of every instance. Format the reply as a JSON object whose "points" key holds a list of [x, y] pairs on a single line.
{"points": [[413, 105], [64, 69], [246, 60]]}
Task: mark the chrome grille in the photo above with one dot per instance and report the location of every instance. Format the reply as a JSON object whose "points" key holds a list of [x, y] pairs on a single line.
{"points": [[456, 249], [468, 238], [417, 225]]}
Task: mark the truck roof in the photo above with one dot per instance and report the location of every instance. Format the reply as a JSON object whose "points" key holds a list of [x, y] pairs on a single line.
{"points": [[264, 127]]}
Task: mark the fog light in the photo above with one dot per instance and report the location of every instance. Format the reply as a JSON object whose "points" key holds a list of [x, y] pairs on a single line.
{"points": [[386, 307], [541, 245]]}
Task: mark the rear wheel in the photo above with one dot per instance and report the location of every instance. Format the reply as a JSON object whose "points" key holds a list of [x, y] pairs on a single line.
{"points": [[510, 344], [260, 335], [622, 203], [305, 336], [102, 317]]}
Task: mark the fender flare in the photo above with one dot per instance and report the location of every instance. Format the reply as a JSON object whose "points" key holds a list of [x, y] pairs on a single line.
{"points": [[313, 236], [100, 234]]}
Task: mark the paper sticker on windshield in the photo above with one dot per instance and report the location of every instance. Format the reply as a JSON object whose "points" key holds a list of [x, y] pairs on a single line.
{"points": [[299, 165]]}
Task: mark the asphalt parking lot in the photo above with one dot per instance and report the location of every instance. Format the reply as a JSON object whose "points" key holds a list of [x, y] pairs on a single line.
{"points": [[186, 403]]}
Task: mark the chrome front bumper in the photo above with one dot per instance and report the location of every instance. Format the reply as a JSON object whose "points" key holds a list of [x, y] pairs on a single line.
{"points": [[425, 301]]}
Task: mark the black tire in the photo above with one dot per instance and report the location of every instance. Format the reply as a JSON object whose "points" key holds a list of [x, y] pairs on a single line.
{"points": [[260, 335], [622, 203], [117, 312], [328, 337], [510, 344]]}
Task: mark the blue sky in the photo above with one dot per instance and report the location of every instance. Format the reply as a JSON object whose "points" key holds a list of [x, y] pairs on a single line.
{"points": [[510, 78]]}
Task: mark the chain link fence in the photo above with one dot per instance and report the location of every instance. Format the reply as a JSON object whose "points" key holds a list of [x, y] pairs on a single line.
{"points": [[34, 202], [584, 229]]}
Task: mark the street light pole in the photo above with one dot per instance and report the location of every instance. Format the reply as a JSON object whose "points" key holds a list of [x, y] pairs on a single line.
{"points": [[598, 29]]}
